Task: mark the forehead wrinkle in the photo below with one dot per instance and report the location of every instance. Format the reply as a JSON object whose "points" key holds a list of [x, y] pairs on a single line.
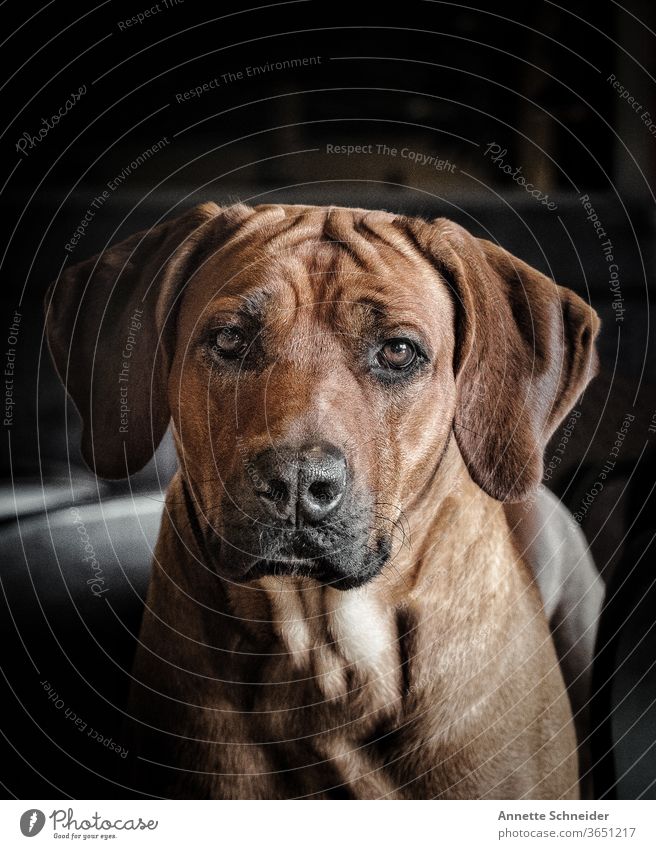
{"points": [[311, 270], [270, 230], [318, 270], [258, 220], [273, 228], [289, 238], [340, 228], [386, 258], [334, 235], [384, 233], [311, 275]]}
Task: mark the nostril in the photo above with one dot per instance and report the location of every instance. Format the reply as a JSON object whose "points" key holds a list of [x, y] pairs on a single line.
{"points": [[322, 491], [276, 490]]}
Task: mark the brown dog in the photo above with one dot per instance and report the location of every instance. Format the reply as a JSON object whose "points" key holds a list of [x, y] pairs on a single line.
{"points": [[338, 607]]}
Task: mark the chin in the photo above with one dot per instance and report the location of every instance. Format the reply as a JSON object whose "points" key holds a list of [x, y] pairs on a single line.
{"points": [[347, 569]]}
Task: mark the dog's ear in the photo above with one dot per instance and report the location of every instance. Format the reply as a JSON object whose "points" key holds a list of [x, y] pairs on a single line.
{"points": [[524, 353], [110, 324]]}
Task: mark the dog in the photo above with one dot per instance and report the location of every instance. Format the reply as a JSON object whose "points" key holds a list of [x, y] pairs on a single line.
{"points": [[343, 601]]}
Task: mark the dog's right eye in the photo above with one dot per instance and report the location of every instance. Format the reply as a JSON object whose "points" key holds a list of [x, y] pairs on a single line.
{"points": [[397, 354], [229, 342]]}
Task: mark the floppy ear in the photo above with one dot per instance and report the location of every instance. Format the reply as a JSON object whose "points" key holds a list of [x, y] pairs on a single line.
{"points": [[524, 353], [110, 324]]}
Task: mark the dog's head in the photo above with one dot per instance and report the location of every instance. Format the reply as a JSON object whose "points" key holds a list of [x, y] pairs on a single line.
{"points": [[315, 362]]}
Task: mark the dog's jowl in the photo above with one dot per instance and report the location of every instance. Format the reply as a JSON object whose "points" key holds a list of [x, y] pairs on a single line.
{"points": [[342, 603]]}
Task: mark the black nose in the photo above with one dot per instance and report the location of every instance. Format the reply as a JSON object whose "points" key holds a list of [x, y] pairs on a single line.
{"points": [[301, 484]]}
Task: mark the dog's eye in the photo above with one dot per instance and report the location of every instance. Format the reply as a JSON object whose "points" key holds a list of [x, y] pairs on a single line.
{"points": [[397, 353], [229, 342]]}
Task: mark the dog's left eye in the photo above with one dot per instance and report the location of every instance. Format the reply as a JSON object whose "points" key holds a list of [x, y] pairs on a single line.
{"points": [[397, 353], [230, 342]]}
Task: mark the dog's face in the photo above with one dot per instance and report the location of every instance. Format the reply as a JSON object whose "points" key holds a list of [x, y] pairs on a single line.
{"points": [[315, 363], [313, 393]]}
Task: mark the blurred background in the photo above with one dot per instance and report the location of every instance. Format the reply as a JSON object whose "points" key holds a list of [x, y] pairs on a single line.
{"points": [[118, 115]]}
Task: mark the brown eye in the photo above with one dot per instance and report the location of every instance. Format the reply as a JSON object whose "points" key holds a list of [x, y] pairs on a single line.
{"points": [[397, 353], [230, 342]]}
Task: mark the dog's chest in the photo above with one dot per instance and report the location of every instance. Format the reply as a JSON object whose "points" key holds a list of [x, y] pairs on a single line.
{"points": [[343, 644], [331, 681]]}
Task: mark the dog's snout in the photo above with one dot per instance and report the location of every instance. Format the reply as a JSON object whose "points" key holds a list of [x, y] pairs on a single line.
{"points": [[321, 482], [301, 484]]}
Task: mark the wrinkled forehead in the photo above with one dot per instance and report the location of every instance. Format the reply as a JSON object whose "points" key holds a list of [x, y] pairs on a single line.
{"points": [[291, 260]]}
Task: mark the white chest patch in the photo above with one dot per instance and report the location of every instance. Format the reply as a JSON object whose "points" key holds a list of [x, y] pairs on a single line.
{"points": [[328, 633]]}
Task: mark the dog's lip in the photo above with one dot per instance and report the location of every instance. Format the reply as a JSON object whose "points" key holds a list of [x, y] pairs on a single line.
{"points": [[279, 565], [318, 568]]}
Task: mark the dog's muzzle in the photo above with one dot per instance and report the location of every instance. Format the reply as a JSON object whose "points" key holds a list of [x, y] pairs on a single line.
{"points": [[297, 515]]}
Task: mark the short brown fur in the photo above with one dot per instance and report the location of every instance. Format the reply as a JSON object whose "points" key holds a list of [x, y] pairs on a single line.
{"points": [[438, 678]]}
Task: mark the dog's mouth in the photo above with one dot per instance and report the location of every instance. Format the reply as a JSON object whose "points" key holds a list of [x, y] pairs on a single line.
{"points": [[321, 569], [342, 567], [345, 552]]}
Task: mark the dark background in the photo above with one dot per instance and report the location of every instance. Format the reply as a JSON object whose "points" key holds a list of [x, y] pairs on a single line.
{"points": [[441, 79]]}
